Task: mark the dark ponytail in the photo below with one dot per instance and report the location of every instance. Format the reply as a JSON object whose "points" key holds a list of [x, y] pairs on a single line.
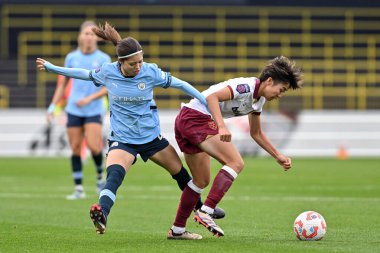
{"points": [[108, 33], [124, 47]]}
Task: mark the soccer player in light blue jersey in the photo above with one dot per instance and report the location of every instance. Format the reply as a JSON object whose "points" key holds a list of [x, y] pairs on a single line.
{"points": [[135, 125], [84, 108]]}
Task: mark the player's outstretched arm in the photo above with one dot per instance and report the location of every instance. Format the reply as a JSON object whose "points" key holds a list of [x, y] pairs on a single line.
{"points": [[188, 89], [260, 137], [77, 73]]}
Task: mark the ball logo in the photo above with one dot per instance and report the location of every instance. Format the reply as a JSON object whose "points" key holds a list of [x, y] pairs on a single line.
{"points": [[141, 86]]}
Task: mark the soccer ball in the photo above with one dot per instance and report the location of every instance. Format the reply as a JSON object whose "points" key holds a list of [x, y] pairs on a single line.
{"points": [[310, 226]]}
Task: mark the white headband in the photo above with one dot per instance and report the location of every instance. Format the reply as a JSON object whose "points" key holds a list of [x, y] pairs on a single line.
{"points": [[129, 55]]}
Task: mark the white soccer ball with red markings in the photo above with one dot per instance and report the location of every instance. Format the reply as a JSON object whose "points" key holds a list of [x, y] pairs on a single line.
{"points": [[310, 226]]}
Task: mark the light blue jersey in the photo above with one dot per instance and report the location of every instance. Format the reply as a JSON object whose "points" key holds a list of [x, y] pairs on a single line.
{"points": [[134, 119], [81, 88]]}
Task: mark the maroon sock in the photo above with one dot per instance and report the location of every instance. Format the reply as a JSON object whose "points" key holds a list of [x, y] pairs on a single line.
{"points": [[222, 183], [186, 205]]}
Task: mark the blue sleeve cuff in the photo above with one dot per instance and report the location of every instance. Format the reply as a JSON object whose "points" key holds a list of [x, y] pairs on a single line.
{"points": [[93, 79]]}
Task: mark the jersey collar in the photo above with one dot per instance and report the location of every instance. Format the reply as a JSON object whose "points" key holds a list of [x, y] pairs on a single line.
{"points": [[129, 77], [256, 91]]}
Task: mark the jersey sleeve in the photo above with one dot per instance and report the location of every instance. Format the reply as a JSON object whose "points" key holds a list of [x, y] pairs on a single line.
{"points": [[68, 61], [161, 78], [258, 106], [98, 76], [107, 58]]}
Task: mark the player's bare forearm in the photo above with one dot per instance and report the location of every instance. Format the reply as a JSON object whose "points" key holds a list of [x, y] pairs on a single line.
{"points": [[261, 139], [213, 105], [59, 90], [101, 93], [265, 143], [84, 101]]}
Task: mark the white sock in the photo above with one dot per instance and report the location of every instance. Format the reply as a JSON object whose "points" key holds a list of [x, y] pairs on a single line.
{"points": [[207, 209], [79, 188], [178, 230]]}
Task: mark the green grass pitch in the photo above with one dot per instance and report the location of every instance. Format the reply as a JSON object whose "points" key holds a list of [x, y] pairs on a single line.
{"points": [[261, 207]]}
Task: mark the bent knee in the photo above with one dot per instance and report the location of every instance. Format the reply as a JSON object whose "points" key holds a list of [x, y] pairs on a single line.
{"points": [[203, 183], [237, 165], [94, 146], [95, 151], [76, 149]]}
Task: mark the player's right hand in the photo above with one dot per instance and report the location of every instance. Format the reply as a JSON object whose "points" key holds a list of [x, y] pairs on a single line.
{"points": [[284, 161], [50, 113], [40, 64], [50, 117]]}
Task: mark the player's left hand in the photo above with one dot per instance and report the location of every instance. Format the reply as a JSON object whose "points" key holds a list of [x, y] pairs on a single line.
{"points": [[83, 102], [284, 161]]}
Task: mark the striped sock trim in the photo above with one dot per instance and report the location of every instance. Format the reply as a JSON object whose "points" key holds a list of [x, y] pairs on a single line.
{"points": [[77, 174], [230, 171], [194, 187], [107, 193]]}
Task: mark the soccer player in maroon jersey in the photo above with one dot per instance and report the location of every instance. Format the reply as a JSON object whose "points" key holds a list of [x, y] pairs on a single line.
{"points": [[202, 134]]}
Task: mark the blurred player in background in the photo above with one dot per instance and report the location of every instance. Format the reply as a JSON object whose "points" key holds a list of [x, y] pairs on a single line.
{"points": [[84, 108], [134, 121], [58, 111], [201, 134]]}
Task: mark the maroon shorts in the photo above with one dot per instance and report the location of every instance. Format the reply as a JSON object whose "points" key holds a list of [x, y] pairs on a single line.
{"points": [[193, 127]]}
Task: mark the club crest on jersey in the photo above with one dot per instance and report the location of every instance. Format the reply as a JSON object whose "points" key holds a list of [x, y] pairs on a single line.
{"points": [[243, 88], [141, 86], [212, 125]]}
